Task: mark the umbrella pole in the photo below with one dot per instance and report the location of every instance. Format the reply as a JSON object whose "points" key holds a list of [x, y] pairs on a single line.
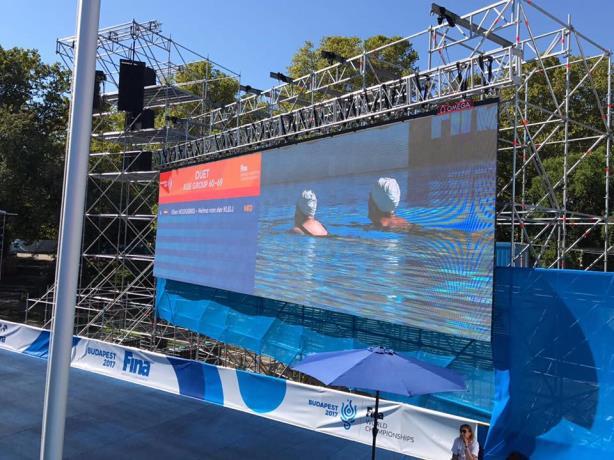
{"points": [[375, 417]]}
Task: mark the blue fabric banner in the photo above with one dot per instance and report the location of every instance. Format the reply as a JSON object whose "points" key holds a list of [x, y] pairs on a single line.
{"points": [[553, 342], [405, 429], [288, 332]]}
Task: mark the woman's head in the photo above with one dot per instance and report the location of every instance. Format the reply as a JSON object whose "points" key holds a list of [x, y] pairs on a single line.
{"points": [[385, 195], [306, 205], [466, 432]]}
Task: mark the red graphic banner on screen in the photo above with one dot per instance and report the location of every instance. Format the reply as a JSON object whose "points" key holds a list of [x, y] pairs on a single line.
{"points": [[232, 178]]}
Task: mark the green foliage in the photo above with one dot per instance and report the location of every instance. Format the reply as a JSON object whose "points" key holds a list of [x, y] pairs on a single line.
{"points": [[587, 86], [33, 110], [308, 59], [395, 60], [212, 83], [381, 65], [208, 83], [34, 107], [586, 183], [585, 194], [585, 89]]}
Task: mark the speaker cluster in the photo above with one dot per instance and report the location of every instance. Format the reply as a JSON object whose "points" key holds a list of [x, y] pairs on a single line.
{"points": [[134, 76], [137, 161]]}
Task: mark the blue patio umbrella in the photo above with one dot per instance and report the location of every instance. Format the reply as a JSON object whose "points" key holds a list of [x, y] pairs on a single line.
{"points": [[382, 370]]}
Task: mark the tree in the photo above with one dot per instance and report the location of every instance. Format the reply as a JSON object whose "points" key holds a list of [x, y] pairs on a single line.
{"points": [[33, 115], [211, 85], [309, 59], [396, 60], [399, 58], [214, 85], [545, 95], [585, 194]]}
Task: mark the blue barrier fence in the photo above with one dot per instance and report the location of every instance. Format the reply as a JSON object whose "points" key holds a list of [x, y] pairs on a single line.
{"points": [[553, 344], [288, 332], [408, 430], [548, 387]]}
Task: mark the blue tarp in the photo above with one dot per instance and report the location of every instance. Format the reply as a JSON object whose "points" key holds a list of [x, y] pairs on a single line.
{"points": [[548, 379], [288, 332], [553, 344]]}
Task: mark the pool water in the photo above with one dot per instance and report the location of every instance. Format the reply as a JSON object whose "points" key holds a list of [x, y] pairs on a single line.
{"points": [[437, 276]]}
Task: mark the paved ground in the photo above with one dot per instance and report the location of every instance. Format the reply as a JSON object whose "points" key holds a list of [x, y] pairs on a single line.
{"points": [[111, 419]]}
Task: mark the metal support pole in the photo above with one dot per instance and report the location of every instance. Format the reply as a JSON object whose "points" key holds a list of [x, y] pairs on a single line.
{"points": [[563, 246], [238, 105], [363, 67], [2, 243], [71, 222], [517, 64], [525, 143], [608, 146], [432, 43], [375, 429]]}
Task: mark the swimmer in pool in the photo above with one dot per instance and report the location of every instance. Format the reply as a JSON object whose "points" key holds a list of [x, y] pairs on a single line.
{"points": [[305, 222], [383, 201]]}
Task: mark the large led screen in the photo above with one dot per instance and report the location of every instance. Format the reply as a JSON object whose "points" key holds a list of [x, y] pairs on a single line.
{"points": [[394, 223]]}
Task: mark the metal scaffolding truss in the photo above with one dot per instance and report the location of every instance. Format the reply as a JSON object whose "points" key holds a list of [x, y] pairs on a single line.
{"points": [[385, 101], [545, 72], [498, 52], [116, 291], [143, 41]]}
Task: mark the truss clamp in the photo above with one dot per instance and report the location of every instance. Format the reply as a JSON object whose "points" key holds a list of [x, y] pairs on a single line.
{"points": [[517, 51], [454, 19]]}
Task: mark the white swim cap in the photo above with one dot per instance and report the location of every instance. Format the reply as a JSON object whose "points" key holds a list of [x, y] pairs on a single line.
{"points": [[386, 194], [307, 203]]}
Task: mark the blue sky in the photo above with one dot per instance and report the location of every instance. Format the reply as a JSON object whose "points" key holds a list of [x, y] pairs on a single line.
{"points": [[255, 37]]}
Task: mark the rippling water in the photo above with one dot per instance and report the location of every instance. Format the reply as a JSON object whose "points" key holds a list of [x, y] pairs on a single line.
{"points": [[439, 277]]}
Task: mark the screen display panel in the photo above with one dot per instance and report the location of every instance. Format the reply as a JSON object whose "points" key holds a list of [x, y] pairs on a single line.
{"points": [[394, 223]]}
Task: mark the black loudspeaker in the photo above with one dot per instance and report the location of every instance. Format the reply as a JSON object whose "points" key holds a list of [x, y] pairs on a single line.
{"points": [[150, 77], [98, 79], [144, 120], [132, 122], [138, 161], [147, 119], [131, 86]]}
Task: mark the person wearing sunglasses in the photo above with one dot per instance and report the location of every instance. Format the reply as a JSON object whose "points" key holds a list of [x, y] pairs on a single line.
{"points": [[465, 447]]}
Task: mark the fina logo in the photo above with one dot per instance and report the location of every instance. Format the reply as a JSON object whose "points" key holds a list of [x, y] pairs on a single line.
{"points": [[135, 365], [348, 414]]}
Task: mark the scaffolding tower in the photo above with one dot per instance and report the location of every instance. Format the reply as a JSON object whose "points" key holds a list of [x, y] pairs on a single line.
{"points": [[496, 50], [554, 83], [116, 288]]}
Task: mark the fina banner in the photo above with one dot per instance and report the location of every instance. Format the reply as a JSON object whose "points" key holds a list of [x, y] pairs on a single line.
{"points": [[124, 363], [403, 428]]}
